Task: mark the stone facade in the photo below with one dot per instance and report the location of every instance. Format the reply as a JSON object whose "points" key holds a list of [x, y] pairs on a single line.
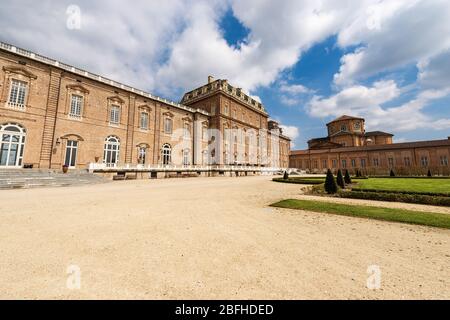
{"points": [[348, 146], [68, 116]]}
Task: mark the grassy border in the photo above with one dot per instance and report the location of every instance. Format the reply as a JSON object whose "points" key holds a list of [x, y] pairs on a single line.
{"points": [[430, 219]]}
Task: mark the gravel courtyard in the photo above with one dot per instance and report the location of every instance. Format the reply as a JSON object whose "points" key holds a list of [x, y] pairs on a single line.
{"points": [[206, 238]]}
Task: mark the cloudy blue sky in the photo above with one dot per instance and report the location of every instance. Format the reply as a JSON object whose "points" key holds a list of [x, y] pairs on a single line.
{"points": [[308, 61]]}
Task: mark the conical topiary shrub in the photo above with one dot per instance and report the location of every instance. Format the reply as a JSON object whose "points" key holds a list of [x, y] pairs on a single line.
{"points": [[347, 178], [429, 173], [392, 173], [286, 175], [330, 183], [340, 179]]}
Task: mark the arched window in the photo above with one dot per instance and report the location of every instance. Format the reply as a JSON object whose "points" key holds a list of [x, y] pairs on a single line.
{"points": [[12, 141], [111, 151], [166, 154]]}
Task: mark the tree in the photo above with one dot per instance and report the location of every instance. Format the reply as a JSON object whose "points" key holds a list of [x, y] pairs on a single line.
{"points": [[429, 173], [330, 183], [286, 175], [340, 179], [392, 174], [347, 178]]}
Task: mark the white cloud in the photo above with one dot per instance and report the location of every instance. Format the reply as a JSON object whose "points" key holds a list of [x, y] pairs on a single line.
{"points": [[368, 102], [390, 35], [172, 46], [291, 132], [294, 88], [354, 100]]}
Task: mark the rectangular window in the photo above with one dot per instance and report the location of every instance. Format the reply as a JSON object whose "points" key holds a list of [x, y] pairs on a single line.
{"points": [[76, 106], [424, 161], [17, 94], [391, 162], [407, 161], [324, 164], [187, 130], [376, 162], [114, 117], [353, 163], [144, 121], [225, 110], [168, 125], [344, 164], [363, 163], [213, 110], [334, 163], [444, 161], [315, 164]]}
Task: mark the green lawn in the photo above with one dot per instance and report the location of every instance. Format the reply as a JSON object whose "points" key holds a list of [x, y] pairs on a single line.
{"points": [[406, 185], [387, 214]]}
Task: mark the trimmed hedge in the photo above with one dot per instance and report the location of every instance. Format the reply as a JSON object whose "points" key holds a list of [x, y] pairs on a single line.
{"points": [[300, 181], [397, 197], [409, 177], [433, 194]]}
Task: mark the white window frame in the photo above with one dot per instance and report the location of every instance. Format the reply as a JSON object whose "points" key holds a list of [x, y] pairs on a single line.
{"points": [[186, 130], [76, 107], [186, 159], [142, 155], [168, 125], [166, 154], [111, 150], [18, 94], [6, 146], [71, 147], [114, 115], [144, 120], [444, 161]]}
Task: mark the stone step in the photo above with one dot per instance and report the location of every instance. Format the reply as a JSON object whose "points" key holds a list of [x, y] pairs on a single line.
{"points": [[16, 178]]}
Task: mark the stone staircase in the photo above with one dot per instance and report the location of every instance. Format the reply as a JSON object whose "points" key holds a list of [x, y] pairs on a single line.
{"points": [[35, 178]]}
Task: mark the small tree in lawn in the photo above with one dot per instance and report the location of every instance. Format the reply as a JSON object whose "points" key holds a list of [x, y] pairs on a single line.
{"points": [[330, 183], [429, 173], [340, 179], [286, 175], [347, 178], [392, 174]]}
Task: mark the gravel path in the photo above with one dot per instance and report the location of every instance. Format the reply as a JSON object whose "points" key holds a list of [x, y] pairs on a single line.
{"points": [[207, 238]]}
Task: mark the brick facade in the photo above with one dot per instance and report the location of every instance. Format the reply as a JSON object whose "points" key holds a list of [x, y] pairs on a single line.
{"points": [[139, 124], [350, 147]]}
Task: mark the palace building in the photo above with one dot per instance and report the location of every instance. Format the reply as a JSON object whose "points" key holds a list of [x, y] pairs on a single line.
{"points": [[350, 147], [53, 114]]}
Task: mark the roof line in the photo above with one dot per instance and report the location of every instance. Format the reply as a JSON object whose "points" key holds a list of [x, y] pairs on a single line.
{"points": [[52, 62]]}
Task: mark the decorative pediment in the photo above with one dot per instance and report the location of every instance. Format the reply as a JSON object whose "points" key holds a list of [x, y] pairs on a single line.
{"points": [[77, 87], [205, 123], [20, 70], [143, 145], [168, 114], [72, 136], [187, 119], [116, 99], [145, 107]]}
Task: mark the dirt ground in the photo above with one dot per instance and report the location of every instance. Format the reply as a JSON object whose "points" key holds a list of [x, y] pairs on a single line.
{"points": [[206, 238]]}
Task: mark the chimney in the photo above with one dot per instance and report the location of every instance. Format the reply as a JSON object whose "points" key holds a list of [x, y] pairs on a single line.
{"points": [[210, 79]]}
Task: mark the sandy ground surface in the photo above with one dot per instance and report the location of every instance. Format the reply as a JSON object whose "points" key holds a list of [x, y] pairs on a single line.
{"points": [[206, 238]]}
